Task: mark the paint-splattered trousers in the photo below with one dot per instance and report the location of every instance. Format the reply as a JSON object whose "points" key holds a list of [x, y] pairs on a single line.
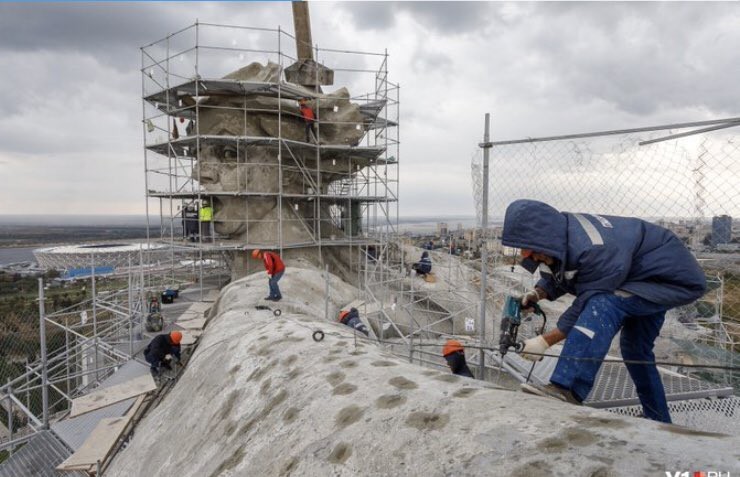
{"points": [[273, 284], [601, 319]]}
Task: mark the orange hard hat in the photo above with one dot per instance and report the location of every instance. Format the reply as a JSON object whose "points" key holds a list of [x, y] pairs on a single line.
{"points": [[342, 314], [256, 253], [176, 337], [527, 252], [451, 347]]}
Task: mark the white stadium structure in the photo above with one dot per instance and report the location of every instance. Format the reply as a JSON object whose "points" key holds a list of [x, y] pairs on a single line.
{"points": [[70, 257]]}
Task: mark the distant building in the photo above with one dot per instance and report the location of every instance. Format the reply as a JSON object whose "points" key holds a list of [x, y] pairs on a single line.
{"points": [[721, 229], [442, 229]]}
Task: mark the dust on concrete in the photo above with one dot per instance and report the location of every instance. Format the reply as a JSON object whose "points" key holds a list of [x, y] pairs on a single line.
{"points": [[291, 414], [593, 421], [601, 472], [464, 392], [335, 378], [578, 437], [383, 364], [389, 401], [348, 415], [402, 383], [552, 445], [235, 369], [340, 453], [290, 360], [265, 386], [340, 343], [229, 405], [427, 421], [344, 389], [276, 400], [293, 373], [537, 468], [258, 373], [289, 466], [230, 463], [348, 364], [264, 350], [447, 378], [689, 432]]}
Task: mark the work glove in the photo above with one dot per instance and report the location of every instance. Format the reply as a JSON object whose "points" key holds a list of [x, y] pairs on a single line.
{"points": [[167, 357], [534, 345], [530, 298]]}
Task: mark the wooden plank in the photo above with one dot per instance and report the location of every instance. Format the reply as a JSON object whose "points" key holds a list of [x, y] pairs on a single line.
{"points": [[192, 324], [189, 337], [106, 397], [195, 311], [98, 444]]}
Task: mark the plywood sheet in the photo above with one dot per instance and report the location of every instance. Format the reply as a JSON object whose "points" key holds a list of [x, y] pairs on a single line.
{"points": [[197, 324], [98, 445], [195, 311], [106, 397], [189, 337]]}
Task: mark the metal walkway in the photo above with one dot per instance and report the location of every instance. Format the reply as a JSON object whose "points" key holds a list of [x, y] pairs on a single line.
{"points": [[39, 457], [693, 403]]}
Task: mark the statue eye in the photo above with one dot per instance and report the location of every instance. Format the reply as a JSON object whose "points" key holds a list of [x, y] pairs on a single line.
{"points": [[229, 153]]}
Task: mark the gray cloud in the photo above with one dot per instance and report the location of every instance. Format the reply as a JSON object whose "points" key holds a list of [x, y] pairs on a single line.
{"points": [[70, 107], [450, 18]]}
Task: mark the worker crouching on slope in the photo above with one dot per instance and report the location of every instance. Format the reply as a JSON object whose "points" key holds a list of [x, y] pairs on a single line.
{"points": [[275, 269], [351, 318], [625, 274], [161, 350], [423, 266], [454, 353]]}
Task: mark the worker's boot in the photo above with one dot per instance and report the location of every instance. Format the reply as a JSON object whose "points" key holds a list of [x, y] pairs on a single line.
{"points": [[552, 391]]}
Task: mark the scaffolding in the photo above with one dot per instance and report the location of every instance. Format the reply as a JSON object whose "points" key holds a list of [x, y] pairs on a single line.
{"points": [[222, 129]]}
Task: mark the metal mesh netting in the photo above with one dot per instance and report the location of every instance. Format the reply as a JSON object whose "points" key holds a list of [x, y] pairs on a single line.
{"points": [[688, 185]]}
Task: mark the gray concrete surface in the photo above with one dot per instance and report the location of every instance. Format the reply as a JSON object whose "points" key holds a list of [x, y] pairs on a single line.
{"points": [[261, 397]]}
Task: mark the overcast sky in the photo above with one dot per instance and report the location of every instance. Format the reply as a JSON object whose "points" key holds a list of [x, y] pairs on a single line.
{"points": [[70, 108]]}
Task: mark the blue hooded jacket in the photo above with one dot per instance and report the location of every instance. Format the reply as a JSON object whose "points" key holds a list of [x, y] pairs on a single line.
{"points": [[601, 254]]}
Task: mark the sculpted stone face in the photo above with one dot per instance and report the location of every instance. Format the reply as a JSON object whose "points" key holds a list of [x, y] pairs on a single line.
{"points": [[243, 166]]}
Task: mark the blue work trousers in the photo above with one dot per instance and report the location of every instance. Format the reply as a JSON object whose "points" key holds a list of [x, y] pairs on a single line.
{"points": [[274, 289], [602, 317]]}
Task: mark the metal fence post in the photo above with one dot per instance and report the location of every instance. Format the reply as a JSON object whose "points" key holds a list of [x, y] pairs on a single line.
{"points": [[10, 416], [44, 375], [326, 298], [484, 251]]}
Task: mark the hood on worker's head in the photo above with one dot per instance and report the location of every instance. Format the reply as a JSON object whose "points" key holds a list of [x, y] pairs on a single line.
{"points": [[534, 225], [424, 254]]}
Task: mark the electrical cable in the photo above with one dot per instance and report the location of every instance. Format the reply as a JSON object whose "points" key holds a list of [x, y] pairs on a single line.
{"points": [[603, 360]]}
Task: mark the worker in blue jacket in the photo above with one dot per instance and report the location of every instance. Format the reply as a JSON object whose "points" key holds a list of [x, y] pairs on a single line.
{"points": [[625, 274], [423, 266]]}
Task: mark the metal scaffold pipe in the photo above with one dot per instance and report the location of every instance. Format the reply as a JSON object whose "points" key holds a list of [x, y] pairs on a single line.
{"points": [[44, 374], [484, 249]]}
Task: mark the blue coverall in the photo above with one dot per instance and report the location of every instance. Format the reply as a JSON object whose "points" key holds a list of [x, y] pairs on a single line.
{"points": [[625, 274]]}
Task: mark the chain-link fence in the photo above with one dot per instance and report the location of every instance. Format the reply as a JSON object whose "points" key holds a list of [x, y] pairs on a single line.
{"points": [[687, 183]]}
